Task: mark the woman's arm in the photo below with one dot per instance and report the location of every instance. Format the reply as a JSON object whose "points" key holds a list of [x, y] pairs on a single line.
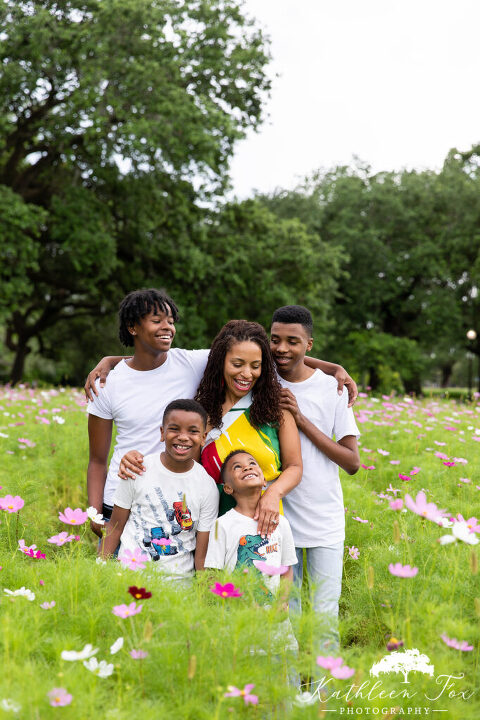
{"points": [[100, 438], [340, 375], [292, 468], [101, 371]]}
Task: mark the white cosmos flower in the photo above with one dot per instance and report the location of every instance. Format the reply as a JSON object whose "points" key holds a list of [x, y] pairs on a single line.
{"points": [[95, 516], [23, 591], [102, 668], [99, 561], [10, 705], [460, 531], [117, 645], [71, 655], [444, 522], [58, 419]]}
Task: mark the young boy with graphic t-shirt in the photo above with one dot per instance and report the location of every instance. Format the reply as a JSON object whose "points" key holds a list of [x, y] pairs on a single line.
{"points": [[169, 512], [235, 542], [315, 507]]}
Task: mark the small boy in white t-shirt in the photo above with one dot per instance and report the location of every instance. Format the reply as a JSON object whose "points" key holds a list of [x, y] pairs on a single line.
{"points": [[167, 512], [235, 542]]}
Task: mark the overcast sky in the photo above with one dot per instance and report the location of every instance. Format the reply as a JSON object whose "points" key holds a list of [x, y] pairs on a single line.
{"points": [[395, 82]]}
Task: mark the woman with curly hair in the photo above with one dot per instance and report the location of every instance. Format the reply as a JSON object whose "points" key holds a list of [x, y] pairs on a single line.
{"points": [[241, 394]]}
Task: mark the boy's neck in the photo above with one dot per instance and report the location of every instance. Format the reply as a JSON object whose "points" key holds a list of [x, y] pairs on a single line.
{"points": [[246, 504], [176, 466], [143, 360], [299, 373]]}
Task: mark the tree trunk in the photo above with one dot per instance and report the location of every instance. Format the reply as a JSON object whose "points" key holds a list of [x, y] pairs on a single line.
{"points": [[446, 370], [21, 353]]}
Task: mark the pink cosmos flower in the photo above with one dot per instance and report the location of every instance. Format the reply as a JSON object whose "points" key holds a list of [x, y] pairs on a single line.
{"points": [[465, 480], [343, 672], [383, 452], [138, 654], [329, 662], [424, 509], [59, 697], [26, 442], [415, 470], [135, 560], [267, 569], [62, 538], [227, 590], [73, 517], [248, 698], [359, 519], [354, 552], [449, 464], [394, 462], [31, 550], [125, 611], [48, 605], [441, 456], [368, 467], [405, 478], [396, 504], [392, 489], [11, 504], [457, 644], [404, 571]]}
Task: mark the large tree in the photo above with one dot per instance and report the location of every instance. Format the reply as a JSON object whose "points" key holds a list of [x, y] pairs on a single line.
{"points": [[117, 117]]}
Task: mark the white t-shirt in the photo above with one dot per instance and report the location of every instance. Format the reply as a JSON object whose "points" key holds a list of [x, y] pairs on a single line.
{"points": [[314, 508], [235, 543], [167, 509], [135, 400]]}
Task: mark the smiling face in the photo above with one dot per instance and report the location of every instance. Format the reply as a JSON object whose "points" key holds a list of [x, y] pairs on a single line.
{"points": [[288, 343], [184, 434], [241, 473], [242, 368], [154, 332]]}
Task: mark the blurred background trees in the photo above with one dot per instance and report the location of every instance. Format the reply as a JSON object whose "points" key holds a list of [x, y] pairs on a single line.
{"points": [[118, 119]]}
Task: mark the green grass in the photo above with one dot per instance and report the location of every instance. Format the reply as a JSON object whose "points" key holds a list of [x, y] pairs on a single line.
{"points": [[198, 644]]}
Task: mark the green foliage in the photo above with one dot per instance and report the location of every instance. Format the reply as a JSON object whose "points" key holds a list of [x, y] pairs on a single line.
{"points": [[117, 118]]}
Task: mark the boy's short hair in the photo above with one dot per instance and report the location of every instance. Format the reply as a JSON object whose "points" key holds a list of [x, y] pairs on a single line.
{"points": [[294, 314], [230, 455], [139, 303], [188, 406]]}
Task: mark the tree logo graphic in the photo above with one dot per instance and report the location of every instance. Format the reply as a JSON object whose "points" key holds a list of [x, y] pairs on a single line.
{"points": [[403, 662]]}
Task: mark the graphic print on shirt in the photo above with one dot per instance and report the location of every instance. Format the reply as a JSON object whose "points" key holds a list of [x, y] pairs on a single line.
{"points": [[158, 540], [248, 547]]}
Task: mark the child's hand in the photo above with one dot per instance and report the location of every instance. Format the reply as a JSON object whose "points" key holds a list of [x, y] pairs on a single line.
{"points": [[131, 465]]}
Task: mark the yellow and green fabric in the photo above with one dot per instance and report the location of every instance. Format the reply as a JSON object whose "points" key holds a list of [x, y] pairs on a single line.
{"points": [[237, 433]]}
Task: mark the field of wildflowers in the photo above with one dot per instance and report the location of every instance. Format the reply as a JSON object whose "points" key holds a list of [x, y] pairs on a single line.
{"points": [[81, 639]]}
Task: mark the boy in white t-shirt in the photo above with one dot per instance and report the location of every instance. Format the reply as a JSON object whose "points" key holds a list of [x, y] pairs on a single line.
{"points": [[315, 507], [168, 512], [137, 391], [235, 542]]}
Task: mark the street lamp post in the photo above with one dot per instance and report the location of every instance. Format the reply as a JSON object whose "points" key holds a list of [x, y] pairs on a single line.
{"points": [[471, 337]]}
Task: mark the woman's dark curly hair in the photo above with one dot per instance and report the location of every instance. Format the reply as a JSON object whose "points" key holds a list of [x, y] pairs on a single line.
{"points": [[265, 407]]}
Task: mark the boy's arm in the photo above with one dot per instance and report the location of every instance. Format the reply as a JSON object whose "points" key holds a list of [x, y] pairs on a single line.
{"points": [[201, 550], [101, 371], [99, 437], [344, 452], [340, 375], [113, 531]]}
